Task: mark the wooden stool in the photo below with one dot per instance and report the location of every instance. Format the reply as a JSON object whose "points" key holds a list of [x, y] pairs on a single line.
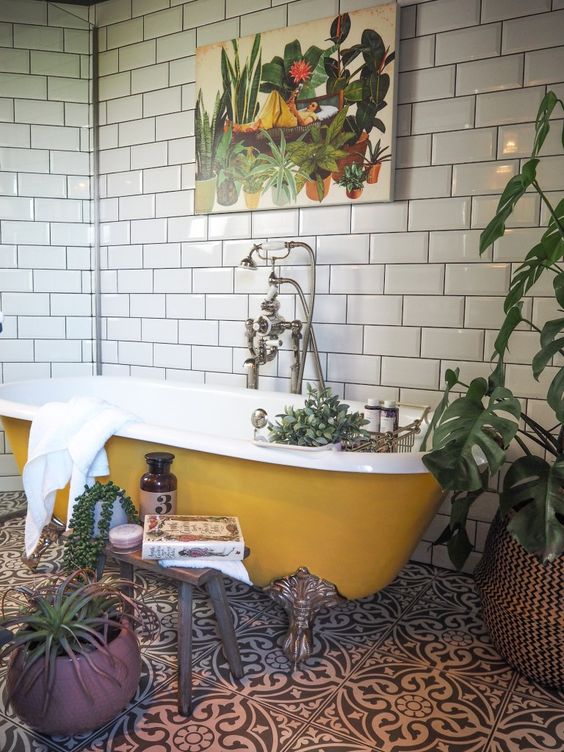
{"points": [[212, 581]]}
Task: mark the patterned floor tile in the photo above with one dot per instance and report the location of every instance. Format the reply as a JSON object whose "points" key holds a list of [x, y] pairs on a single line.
{"points": [[268, 675], [409, 669], [524, 686], [12, 504], [443, 632], [318, 740], [15, 736], [529, 725], [220, 721], [399, 706]]}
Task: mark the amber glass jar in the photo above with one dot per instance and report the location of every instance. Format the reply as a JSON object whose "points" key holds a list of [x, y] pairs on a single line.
{"points": [[158, 486]]}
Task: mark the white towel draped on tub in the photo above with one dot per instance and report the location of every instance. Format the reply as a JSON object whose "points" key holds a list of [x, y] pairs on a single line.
{"points": [[235, 569], [66, 442]]}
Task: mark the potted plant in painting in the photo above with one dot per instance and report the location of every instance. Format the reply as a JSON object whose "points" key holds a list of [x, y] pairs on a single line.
{"points": [[318, 158], [208, 132], [281, 174], [74, 657], [241, 84], [353, 180], [373, 162], [486, 430], [366, 86], [247, 170], [323, 420], [225, 158]]}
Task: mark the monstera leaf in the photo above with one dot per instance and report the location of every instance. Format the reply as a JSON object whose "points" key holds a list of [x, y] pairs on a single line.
{"points": [[513, 191], [533, 491], [455, 535], [470, 434]]}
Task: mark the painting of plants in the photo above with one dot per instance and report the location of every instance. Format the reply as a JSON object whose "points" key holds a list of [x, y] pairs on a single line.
{"points": [[308, 106]]}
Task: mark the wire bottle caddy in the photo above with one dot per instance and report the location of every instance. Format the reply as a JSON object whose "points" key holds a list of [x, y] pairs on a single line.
{"points": [[400, 440]]}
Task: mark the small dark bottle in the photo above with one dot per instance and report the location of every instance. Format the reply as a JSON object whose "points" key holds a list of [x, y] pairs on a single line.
{"points": [[158, 486]]}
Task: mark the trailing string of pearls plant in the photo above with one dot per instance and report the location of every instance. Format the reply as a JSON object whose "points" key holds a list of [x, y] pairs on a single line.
{"points": [[82, 547]]}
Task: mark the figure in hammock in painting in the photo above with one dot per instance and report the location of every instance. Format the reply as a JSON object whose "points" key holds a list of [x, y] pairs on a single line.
{"points": [[277, 113]]}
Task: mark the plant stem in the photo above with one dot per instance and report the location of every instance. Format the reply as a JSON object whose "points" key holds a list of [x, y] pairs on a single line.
{"points": [[530, 323], [538, 429], [532, 437], [549, 206], [523, 446]]}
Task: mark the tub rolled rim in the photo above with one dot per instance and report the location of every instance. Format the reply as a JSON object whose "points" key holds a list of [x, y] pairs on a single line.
{"points": [[349, 462]]}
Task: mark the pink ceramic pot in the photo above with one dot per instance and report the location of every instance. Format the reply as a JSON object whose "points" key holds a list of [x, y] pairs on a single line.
{"points": [[70, 710]]}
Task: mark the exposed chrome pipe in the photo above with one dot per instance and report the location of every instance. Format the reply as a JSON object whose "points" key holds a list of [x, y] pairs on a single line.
{"points": [[266, 252]]}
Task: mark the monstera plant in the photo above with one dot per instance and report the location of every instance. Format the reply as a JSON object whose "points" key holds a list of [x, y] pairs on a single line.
{"points": [[471, 435], [521, 574]]}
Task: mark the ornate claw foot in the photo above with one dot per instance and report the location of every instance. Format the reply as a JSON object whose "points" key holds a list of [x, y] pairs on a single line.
{"points": [[302, 595], [50, 534]]}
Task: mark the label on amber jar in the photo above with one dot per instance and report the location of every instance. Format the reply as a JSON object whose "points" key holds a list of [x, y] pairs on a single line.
{"points": [[162, 502]]}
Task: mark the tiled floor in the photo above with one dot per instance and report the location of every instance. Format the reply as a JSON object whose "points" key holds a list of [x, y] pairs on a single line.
{"points": [[407, 670]]}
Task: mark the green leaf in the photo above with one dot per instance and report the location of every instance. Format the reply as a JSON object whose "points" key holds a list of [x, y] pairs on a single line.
{"points": [[451, 379], [542, 124], [320, 188], [555, 395], [459, 546], [539, 258], [350, 54], [340, 28], [354, 91], [512, 320], [545, 355], [533, 491], [467, 429], [255, 52], [513, 191], [273, 73], [313, 55], [292, 52], [374, 49], [558, 284]]}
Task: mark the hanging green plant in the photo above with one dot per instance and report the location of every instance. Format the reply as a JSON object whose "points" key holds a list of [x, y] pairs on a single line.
{"points": [[82, 547]]}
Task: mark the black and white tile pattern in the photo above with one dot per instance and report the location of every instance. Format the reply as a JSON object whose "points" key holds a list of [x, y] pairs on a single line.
{"points": [[409, 669]]}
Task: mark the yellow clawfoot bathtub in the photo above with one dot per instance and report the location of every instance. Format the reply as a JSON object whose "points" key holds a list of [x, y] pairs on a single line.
{"points": [[352, 519]]}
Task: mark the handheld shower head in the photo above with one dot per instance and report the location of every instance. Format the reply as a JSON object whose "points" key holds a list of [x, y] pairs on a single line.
{"points": [[248, 262]]}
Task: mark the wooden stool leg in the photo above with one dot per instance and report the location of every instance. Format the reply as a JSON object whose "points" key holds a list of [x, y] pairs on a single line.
{"points": [[127, 572], [184, 648], [218, 598]]}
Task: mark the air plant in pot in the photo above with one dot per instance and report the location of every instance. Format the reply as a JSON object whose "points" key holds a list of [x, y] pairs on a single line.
{"points": [[486, 430], [353, 180], [74, 661]]}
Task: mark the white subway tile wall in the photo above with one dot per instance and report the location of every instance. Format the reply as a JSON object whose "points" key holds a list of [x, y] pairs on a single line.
{"points": [[45, 265], [403, 292]]}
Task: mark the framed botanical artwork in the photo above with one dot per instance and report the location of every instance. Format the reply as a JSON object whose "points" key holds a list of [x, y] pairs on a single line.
{"points": [[300, 116]]}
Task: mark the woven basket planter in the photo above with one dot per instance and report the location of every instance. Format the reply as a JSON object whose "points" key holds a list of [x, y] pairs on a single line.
{"points": [[523, 607]]}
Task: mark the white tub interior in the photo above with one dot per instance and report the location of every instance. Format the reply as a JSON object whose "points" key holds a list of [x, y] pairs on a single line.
{"points": [[199, 417]]}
